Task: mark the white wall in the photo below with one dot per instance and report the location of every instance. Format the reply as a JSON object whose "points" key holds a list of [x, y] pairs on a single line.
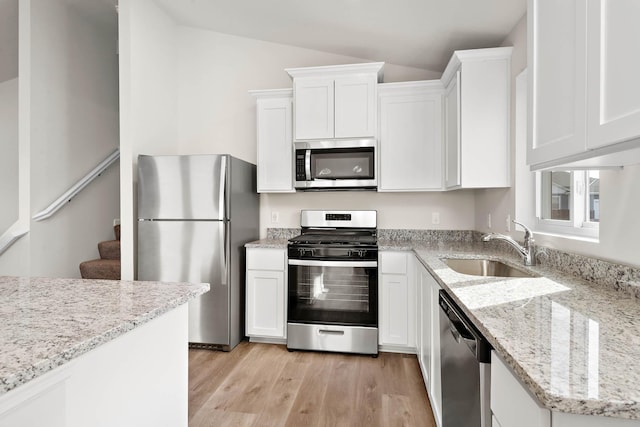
{"points": [[620, 190], [395, 210], [68, 124], [148, 111], [9, 150], [216, 114], [185, 90], [500, 202]]}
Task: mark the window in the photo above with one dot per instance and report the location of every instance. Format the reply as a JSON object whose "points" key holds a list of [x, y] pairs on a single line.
{"points": [[568, 202]]}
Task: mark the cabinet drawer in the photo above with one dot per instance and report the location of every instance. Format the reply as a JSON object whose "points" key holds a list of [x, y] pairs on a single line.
{"points": [[265, 259], [511, 403], [393, 262]]}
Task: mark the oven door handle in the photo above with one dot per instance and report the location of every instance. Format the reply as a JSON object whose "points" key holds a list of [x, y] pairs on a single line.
{"points": [[314, 263]]}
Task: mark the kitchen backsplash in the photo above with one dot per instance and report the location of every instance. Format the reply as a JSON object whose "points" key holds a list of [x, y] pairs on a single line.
{"points": [[620, 277], [427, 235], [282, 233]]}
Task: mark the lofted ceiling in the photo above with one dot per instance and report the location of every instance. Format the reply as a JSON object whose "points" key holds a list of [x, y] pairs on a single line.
{"points": [[415, 33]]}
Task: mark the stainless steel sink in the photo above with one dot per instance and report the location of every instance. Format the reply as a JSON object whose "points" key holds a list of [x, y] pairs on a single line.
{"points": [[485, 267]]}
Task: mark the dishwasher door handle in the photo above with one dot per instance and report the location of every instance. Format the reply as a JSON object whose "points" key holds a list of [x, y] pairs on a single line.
{"points": [[460, 337]]}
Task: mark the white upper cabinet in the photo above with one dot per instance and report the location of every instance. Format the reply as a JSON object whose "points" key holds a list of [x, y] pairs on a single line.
{"points": [[584, 94], [410, 136], [613, 68], [313, 108], [557, 59], [477, 118], [275, 143], [335, 101], [452, 133]]}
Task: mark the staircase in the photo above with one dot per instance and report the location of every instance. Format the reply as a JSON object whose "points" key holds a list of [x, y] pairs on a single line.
{"points": [[108, 266]]}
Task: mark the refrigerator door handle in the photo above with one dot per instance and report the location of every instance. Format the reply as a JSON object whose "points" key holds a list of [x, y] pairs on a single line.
{"points": [[223, 187], [224, 254]]}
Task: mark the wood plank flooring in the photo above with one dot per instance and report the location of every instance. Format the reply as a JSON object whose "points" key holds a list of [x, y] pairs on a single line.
{"points": [[265, 385]]}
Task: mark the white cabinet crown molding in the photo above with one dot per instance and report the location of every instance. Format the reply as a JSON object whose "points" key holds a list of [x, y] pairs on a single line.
{"points": [[338, 70], [460, 56], [271, 93], [411, 88]]}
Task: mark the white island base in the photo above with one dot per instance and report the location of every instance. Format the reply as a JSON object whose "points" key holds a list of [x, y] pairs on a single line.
{"points": [[138, 379]]}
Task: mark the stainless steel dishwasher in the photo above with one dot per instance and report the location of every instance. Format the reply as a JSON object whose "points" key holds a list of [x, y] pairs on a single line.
{"points": [[465, 370]]}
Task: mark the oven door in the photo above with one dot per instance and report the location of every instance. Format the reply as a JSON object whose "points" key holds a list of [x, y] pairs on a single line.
{"points": [[333, 292]]}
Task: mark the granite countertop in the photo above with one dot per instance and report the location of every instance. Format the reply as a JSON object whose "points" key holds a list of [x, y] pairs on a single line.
{"points": [[45, 323], [574, 343], [269, 243]]}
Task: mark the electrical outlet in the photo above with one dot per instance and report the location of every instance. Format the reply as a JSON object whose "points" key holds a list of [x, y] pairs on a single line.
{"points": [[508, 225], [275, 217], [489, 220], [435, 218]]}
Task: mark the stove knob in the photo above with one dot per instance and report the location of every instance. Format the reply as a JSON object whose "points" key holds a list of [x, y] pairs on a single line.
{"points": [[302, 251]]}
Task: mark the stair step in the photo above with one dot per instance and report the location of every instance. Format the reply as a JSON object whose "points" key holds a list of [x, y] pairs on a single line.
{"points": [[116, 230], [109, 249], [100, 269]]}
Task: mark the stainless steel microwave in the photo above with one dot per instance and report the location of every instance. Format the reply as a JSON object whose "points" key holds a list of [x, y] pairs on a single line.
{"points": [[336, 165]]}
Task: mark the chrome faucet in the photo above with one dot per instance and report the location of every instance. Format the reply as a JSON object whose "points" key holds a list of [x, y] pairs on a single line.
{"points": [[527, 251]]}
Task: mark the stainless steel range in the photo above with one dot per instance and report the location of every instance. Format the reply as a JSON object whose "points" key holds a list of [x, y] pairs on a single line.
{"points": [[333, 283]]}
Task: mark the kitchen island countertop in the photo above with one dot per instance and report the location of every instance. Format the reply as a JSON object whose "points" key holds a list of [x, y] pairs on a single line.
{"points": [[45, 323]]}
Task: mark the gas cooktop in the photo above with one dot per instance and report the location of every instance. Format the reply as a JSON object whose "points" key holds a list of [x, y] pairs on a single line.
{"points": [[335, 239]]}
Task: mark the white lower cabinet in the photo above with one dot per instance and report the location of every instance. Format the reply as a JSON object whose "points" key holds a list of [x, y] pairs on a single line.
{"points": [[266, 294], [511, 403], [397, 302], [428, 317]]}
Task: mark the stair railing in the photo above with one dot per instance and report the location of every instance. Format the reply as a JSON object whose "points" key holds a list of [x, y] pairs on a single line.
{"points": [[61, 201], [11, 236]]}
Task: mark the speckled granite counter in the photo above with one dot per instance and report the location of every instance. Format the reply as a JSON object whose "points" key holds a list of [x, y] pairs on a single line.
{"points": [[45, 323], [574, 343], [268, 243]]}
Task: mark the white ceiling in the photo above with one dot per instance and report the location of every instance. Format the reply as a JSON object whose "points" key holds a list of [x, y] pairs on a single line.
{"points": [[416, 33]]}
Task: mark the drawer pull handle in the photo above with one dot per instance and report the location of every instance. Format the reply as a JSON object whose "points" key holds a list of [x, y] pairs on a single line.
{"points": [[330, 332]]}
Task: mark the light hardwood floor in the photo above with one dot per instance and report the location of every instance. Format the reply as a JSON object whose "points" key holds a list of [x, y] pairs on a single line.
{"points": [[265, 385]]}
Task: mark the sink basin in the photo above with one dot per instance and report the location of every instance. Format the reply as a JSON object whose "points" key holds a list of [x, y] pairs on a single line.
{"points": [[485, 267]]}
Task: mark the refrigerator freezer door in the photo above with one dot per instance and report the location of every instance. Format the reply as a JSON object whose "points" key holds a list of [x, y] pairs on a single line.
{"points": [[191, 251], [182, 187]]}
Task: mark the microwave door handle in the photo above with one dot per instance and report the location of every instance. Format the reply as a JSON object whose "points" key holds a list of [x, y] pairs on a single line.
{"points": [[307, 164]]}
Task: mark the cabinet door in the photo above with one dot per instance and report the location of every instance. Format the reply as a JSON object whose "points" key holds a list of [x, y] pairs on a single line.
{"points": [[410, 142], [394, 318], [557, 61], [313, 108], [452, 133], [485, 109], [613, 86], [275, 145], [266, 304], [435, 386], [355, 106], [511, 403], [426, 325]]}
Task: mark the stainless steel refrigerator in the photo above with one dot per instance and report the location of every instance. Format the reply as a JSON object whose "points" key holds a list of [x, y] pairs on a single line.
{"points": [[195, 213]]}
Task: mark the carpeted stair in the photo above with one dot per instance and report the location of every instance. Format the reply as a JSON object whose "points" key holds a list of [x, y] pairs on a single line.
{"points": [[108, 266]]}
